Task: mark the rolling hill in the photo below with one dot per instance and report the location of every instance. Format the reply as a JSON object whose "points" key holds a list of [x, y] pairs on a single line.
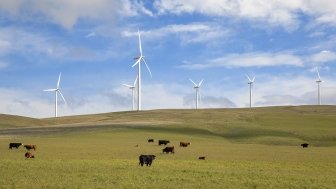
{"points": [[288, 125]]}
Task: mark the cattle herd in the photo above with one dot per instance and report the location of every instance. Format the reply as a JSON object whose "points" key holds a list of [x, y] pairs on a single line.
{"points": [[143, 159], [148, 159], [28, 147]]}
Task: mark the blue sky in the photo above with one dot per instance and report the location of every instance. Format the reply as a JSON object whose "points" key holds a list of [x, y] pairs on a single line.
{"points": [[93, 44]]}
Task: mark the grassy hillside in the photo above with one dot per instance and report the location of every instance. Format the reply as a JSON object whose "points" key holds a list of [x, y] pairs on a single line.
{"points": [[267, 125], [13, 121]]}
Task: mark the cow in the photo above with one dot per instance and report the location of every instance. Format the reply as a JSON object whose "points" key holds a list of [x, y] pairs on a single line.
{"points": [[165, 142], [146, 159], [168, 149], [201, 158], [184, 144], [14, 145], [30, 146], [151, 140], [29, 155], [304, 145]]}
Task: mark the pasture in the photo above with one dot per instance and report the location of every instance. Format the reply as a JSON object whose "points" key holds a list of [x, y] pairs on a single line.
{"points": [[243, 149]]}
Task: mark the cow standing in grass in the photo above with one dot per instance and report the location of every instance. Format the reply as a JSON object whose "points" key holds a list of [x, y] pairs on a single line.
{"points": [[304, 145], [14, 145], [164, 142], [184, 144], [168, 150], [146, 159], [30, 146]]}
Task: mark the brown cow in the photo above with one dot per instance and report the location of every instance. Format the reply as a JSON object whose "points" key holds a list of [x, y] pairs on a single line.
{"points": [[184, 144], [29, 155], [30, 146], [168, 149]]}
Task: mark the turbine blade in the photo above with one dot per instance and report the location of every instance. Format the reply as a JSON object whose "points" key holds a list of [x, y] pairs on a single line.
{"points": [[127, 85], [137, 62], [50, 90], [200, 83], [140, 43], [59, 79], [248, 78], [62, 96], [147, 67], [253, 79], [136, 79], [318, 74], [193, 82]]}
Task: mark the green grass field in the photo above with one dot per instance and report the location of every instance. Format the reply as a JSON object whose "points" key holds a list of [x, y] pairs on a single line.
{"points": [[244, 148]]}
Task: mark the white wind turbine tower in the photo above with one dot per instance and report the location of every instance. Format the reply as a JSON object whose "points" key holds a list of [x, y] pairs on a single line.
{"points": [[57, 90], [251, 87], [138, 62], [318, 87], [132, 87], [197, 87]]}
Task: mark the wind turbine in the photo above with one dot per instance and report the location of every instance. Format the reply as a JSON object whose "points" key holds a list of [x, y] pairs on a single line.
{"points": [[251, 86], [318, 87], [57, 90], [132, 87], [138, 62], [197, 87]]}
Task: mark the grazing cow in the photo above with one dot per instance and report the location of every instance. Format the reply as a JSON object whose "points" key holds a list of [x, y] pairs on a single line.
{"points": [[168, 149], [165, 142], [201, 158], [30, 146], [146, 159], [151, 140], [184, 144], [29, 155], [304, 145], [14, 145]]}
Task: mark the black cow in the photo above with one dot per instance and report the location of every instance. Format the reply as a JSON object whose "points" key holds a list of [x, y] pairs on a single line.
{"points": [[146, 159], [165, 142], [29, 155], [201, 157], [150, 140], [168, 149], [14, 145], [304, 145]]}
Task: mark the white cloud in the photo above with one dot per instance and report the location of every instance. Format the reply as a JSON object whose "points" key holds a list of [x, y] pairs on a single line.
{"points": [[284, 13], [323, 56], [187, 33], [257, 59], [67, 13], [92, 34]]}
